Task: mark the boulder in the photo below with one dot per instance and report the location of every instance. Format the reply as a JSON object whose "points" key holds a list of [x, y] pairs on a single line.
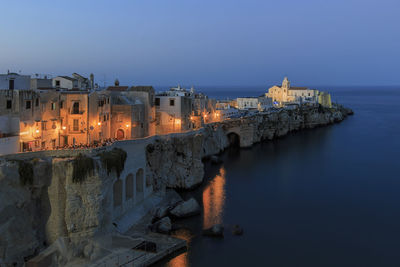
{"points": [[237, 230], [162, 226], [216, 230], [186, 209]]}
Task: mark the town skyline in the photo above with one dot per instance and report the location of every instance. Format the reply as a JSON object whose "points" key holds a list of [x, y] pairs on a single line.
{"points": [[206, 44]]}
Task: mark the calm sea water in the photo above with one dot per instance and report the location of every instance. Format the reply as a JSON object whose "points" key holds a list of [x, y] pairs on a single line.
{"points": [[323, 197]]}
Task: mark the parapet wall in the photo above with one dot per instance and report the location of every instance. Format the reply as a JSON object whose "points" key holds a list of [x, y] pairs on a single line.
{"points": [[35, 213]]}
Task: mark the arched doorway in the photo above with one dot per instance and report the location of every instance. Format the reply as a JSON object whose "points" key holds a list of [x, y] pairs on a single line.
{"points": [[120, 134], [129, 186], [117, 192]]}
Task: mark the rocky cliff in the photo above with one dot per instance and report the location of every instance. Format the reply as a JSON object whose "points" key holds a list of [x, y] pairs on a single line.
{"points": [[176, 161]]}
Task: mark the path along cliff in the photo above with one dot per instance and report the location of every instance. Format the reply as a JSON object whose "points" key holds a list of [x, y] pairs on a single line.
{"points": [[48, 195]]}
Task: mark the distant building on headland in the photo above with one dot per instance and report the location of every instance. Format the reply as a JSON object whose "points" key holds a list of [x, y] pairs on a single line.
{"points": [[287, 94], [260, 103]]}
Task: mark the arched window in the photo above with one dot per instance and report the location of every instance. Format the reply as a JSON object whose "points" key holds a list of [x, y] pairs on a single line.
{"points": [[129, 186]]}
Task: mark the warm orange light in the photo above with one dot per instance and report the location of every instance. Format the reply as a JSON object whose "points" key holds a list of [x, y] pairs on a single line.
{"points": [[205, 115], [99, 123], [192, 118], [127, 125], [64, 127], [178, 121], [37, 131]]}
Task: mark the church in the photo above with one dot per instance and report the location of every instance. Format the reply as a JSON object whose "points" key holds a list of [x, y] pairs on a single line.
{"points": [[287, 94]]}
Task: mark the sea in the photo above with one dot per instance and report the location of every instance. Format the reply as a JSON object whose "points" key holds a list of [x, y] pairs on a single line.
{"points": [[328, 196]]}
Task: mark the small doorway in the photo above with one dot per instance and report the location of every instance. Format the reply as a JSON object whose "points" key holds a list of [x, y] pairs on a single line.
{"points": [[120, 134]]}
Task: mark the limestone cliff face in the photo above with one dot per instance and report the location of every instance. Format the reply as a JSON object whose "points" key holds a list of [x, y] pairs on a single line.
{"points": [[175, 161], [34, 215]]}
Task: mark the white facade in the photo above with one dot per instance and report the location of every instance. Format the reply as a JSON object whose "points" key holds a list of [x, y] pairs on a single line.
{"points": [[173, 113], [65, 82], [260, 103], [245, 103], [15, 81]]}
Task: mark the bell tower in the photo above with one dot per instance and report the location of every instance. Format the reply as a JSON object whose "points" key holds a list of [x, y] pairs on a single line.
{"points": [[285, 83]]}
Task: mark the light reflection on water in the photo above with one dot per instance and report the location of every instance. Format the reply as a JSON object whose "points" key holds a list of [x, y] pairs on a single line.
{"points": [[213, 204], [214, 200], [182, 259]]}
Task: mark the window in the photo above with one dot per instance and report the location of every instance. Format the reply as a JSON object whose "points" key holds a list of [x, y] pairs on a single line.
{"points": [[28, 104], [11, 84], [61, 104], [43, 145], [57, 83], [37, 102], [9, 104], [75, 108], [108, 116], [172, 102], [157, 101], [105, 117], [53, 106], [76, 125], [43, 126]]}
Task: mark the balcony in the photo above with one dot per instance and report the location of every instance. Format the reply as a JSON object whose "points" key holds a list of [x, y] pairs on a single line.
{"points": [[75, 112]]}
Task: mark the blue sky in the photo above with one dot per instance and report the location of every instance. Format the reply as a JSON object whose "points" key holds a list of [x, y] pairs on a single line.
{"points": [[204, 42]]}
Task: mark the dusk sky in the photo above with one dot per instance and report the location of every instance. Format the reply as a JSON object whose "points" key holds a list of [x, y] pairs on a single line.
{"points": [[245, 42]]}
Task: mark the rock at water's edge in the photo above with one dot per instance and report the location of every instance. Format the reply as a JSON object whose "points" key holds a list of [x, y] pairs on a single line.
{"points": [[186, 209], [214, 231]]}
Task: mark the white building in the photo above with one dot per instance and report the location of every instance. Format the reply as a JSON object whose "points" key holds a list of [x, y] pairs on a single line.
{"points": [[173, 113], [286, 93], [65, 82], [254, 103], [15, 81], [245, 103]]}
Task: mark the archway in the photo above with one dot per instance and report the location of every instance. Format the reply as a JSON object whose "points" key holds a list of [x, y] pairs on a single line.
{"points": [[120, 134], [139, 181], [129, 186], [233, 139], [117, 190]]}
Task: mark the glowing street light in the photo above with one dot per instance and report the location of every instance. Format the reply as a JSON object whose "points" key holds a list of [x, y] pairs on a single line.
{"points": [[99, 123], [127, 126], [37, 131], [64, 127]]}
